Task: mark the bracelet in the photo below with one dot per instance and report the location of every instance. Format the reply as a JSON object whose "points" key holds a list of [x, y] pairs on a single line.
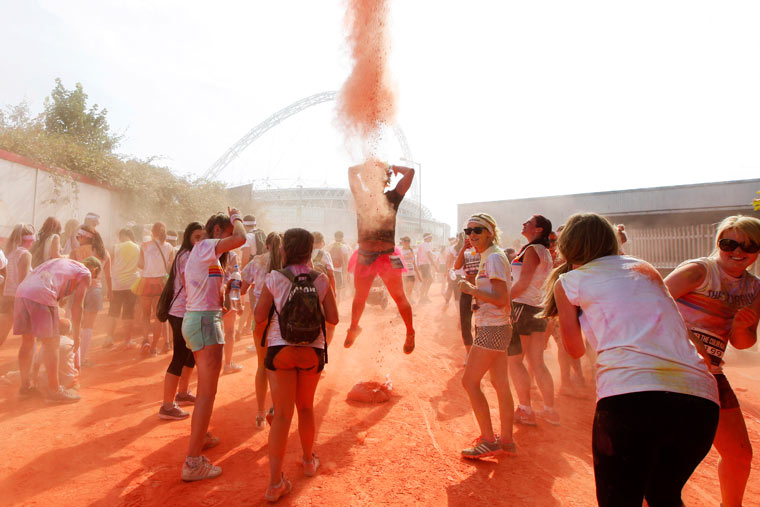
{"points": [[234, 217]]}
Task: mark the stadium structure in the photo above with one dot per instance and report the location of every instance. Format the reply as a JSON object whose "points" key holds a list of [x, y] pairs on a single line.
{"points": [[328, 210], [282, 204]]}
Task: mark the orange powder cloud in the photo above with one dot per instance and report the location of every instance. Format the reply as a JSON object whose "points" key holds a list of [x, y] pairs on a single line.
{"points": [[367, 99]]}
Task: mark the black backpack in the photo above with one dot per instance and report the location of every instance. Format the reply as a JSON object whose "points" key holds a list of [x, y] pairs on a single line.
{"points": [[301, 318]]}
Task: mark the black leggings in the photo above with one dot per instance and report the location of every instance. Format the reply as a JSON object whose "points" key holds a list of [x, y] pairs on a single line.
{"points": [[465, 317], [646, 445], [182, 356]]}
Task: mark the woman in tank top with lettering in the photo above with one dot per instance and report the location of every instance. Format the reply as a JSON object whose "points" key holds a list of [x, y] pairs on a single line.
{"points": [[19, 265], [720, 303], [91, 244], [156, 257], [530, 269]]}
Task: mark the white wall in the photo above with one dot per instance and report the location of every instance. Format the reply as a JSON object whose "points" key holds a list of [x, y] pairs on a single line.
{"points": [[30, 195]]}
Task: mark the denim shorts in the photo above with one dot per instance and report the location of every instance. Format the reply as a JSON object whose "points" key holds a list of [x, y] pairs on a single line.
{"points": [[202, 329]]}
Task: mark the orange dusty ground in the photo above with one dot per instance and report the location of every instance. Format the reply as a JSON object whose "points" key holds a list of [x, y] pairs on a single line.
{"points": [[111, 448]]}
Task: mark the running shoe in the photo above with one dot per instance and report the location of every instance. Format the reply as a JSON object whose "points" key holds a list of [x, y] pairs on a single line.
{"points": [[232, 368], [204, 470], [172, 413], [550, 416], [482, 448], [522, 416], [270, 416], [145, 348], [260, 421], [279, 490], [24, 393], [310, 467], [184, 399], [510, 449], [211, 441], [251, 349], [62, 396]]}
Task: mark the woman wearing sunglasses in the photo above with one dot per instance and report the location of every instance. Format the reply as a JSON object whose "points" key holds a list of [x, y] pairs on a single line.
{"points": [[719, 301], [490, 305]]}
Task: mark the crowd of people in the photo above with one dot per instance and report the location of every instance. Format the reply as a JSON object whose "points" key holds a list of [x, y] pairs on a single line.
{"points": [[656, 345]]}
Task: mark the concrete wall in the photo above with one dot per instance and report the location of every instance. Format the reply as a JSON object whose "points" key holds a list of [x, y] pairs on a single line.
{"points": [[29, 193], [662, 206]]}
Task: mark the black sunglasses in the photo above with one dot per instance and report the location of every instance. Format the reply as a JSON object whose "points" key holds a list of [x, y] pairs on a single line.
{"points": [[729, 245], [476, 230]]}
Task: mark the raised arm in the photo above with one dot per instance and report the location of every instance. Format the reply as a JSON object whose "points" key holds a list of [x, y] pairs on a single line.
{"points": [[407, 176], [237, 239]]}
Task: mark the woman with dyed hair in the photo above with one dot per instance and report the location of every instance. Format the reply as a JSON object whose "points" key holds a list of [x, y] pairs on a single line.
{"points": [[490, 308], [657, 405], [720, 302], [48, 244]]}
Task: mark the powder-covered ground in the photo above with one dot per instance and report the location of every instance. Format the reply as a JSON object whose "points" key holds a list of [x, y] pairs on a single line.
{"points": [[111, 448]]}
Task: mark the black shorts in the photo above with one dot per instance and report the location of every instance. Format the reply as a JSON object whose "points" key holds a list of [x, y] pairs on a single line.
{"points": [[301, 359], [122, 304], [728, 399], [524, 320]]}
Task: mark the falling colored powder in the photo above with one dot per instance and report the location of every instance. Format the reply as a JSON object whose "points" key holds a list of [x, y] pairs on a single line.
{"points": [[646, 269], [371, 392], [367, 100]]}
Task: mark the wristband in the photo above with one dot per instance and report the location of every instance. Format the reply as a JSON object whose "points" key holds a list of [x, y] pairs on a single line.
{"points": [[236, 216]]}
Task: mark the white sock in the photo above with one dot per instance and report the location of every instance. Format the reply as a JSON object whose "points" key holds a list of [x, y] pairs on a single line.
{"points": [[526, 408], [85, 337]]}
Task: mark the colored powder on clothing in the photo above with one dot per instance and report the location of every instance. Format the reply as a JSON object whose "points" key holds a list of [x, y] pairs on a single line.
{"points": [[367, 100]]}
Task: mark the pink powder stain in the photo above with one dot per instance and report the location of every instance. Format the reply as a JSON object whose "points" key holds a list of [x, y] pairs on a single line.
{"points": [[367, 100]]}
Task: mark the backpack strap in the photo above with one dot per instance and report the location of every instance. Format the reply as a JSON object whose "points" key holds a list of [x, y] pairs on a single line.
{"points": [[313, 275], [272, 309]]}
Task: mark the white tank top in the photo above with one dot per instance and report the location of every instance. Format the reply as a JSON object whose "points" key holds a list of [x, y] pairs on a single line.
{"points": [[12, 278], [534, 293], [156, 265]]}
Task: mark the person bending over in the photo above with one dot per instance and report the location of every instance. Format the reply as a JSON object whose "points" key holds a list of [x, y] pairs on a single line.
{"points": [[376, 208]]}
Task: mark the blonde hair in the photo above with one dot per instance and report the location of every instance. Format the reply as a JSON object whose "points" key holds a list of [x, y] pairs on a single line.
{"points": [[17, 237], [488, 218], [94, 264], [749, 226], [586, 236]]}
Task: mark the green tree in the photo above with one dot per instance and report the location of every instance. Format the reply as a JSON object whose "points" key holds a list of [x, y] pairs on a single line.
{"points": [[66, 113]]}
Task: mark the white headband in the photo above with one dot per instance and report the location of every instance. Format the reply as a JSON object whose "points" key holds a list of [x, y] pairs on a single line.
{"points": [[27, 237], [171, 237], [251, 223], [85, 233], [92, 216], [482, 221]]}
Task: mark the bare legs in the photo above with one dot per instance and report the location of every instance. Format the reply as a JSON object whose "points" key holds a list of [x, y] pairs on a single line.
{"points": [[395, 286], [6, 324], [229, 336], [533, 350], [208, 360], [290, 390], [148, 305], [260, 380], [173, 383], [479, 362], [733, 445], [49, 356]]}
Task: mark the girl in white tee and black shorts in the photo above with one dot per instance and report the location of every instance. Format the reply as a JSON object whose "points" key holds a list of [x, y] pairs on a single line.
{"points": [[657, 408]]}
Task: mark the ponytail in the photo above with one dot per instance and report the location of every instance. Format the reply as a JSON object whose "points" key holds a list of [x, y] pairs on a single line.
{"points": [[549, 304]]}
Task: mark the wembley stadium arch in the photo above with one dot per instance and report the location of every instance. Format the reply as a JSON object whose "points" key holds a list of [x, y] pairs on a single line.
{"points": [[318, 208]]}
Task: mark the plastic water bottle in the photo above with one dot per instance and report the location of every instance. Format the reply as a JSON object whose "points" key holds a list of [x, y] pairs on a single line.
{"points": [[236, 281]]}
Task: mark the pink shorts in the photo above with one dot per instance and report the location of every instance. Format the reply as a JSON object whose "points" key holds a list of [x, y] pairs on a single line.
{"points": [[383, 264], [32, 318]]}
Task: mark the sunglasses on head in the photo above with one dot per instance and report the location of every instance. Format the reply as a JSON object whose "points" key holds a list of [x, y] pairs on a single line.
{"points": [[729, 245], [476, 230]]}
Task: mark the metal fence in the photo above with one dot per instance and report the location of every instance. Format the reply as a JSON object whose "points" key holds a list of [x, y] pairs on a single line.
{"points": [[667, 247]]}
